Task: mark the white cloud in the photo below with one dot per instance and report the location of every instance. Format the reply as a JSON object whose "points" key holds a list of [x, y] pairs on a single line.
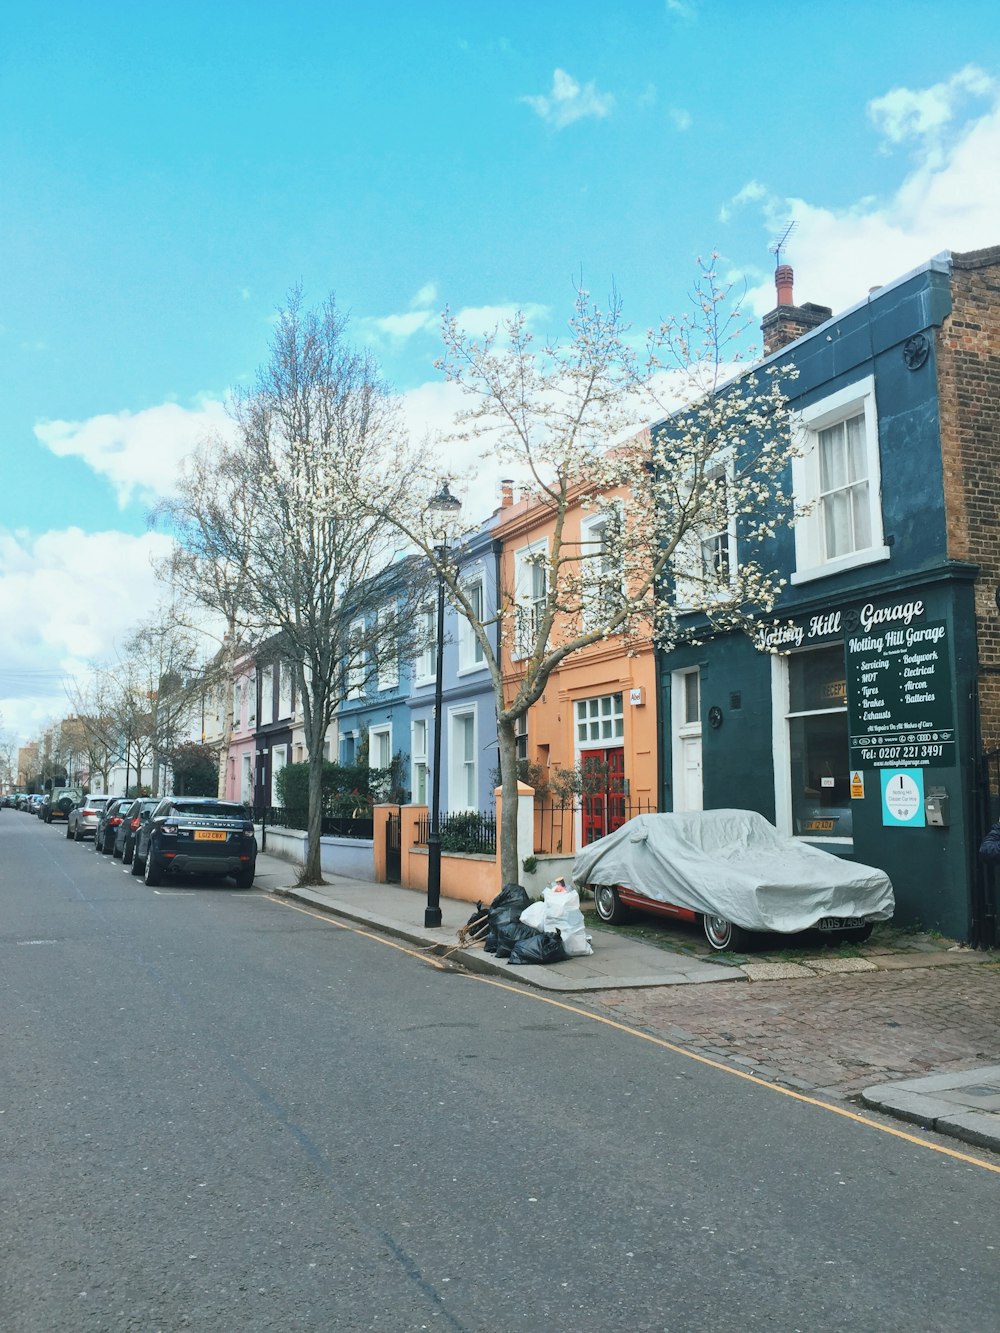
{"points": [[949, 200], [478, 320], [405, 326], [681, 118], [907, 114], [62, 607], [569, 101], [138, 452]]}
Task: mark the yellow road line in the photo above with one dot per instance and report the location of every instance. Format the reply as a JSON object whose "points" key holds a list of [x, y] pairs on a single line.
{"points": [[527, 994]]}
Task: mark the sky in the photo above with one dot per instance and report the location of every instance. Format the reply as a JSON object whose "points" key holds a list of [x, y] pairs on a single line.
{"points": [[168, 172]]}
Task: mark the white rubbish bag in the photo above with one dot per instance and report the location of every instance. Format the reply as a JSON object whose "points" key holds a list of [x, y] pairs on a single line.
{"points": [[562, 913]]}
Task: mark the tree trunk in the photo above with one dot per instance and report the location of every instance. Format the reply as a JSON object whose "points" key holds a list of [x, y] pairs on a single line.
{"points": [[312, 872], [510, 865]]}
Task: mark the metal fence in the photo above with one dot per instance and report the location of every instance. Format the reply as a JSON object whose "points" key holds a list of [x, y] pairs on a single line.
{"points": [[472, 831], [986, 878], [331, 826], [557, 822]]}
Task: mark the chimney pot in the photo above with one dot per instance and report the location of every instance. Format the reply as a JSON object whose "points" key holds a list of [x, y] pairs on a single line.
{"points": [[783, 276], [506, 493]]}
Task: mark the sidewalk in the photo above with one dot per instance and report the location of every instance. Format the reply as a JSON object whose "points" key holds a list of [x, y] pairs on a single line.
{"points": [[618, 964], [962, 1104]]}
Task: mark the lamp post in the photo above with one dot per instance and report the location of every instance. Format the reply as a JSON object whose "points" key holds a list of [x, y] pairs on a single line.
{"points": [[446, 507]]}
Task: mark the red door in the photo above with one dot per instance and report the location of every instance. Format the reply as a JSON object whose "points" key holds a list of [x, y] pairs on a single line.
{"points": [[602, 803]]}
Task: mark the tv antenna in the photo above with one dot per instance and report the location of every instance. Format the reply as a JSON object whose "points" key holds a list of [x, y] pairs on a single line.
{"points": [[778, 246]]}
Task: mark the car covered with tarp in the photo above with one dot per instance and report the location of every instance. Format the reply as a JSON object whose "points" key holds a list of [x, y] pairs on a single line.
{"points": [[735, 873]]}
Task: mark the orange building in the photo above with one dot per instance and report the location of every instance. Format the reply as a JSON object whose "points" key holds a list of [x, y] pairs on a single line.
{"points": [[596, 719]]}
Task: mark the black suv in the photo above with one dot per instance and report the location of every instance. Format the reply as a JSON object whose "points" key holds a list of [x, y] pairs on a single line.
{"points": [[60, 802], [196, 834]]}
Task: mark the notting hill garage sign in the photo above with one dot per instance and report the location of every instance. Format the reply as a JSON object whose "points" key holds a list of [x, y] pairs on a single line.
{"points": [[900, 705]]}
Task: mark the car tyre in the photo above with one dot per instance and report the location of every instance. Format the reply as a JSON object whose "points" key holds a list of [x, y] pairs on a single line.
{"points": [[69, 832], [137, 866], [609, 905], [244, 880], [722, 935], [114, 850], [152, 871]]}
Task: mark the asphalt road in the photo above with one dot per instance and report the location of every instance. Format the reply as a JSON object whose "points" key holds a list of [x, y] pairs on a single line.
{"points": [[219, 1111]]}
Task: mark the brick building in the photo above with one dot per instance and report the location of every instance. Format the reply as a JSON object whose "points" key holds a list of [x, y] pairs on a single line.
{"points": [[856, 718]]}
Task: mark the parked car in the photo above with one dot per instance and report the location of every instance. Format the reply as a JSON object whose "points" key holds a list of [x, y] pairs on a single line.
{"points": [[196, 834], [23, 800], [40, 807], [60, 802], [141, 808], [111, 817], [733, 872], [83, 819]]}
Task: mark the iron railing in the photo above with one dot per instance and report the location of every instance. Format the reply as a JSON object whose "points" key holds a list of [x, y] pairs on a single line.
{"points": [[331, 826], [560, 826], [471, 831]]}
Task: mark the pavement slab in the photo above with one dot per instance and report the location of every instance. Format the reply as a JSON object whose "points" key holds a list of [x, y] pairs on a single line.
{"points": [[964, 1104]]}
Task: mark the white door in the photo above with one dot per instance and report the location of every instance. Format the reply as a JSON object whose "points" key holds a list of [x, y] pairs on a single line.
{"points": [[686, 719]]}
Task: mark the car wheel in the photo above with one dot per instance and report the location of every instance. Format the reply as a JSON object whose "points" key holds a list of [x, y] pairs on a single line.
{"points": [[152, 871], [609, 905], [722, 934], [47, 819], [244, 880], [128, 851], [69, 832], [137, 866], [114, 850]]}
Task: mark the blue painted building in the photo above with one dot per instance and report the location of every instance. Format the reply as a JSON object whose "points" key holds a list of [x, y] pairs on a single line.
{"points": [[856, 718], [469, 756]]}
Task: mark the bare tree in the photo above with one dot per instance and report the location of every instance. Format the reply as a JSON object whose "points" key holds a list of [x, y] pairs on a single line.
{"points": [[212, 523], [659, 500], [317, 429]]}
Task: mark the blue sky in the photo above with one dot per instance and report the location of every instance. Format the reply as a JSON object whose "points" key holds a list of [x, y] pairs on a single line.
{"points": [[168, 172]]}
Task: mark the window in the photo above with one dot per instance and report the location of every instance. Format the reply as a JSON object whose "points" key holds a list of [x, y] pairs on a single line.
{"points": [[237, 703], [812, 758], [426, 665], [470, 651], [601, 719], [463, 789], [716, 544], [601, 566], [388, 654], [279, 758], [418, 760], [267, 695], [837, 481], [705, 560], [521, 737], [251, 699], [285, 690], [246, 780], [379, 747], [531, 594], [355, 659]]}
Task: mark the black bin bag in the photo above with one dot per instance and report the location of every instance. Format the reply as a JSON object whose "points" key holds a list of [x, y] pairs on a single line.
{"points": [[541, 947]]}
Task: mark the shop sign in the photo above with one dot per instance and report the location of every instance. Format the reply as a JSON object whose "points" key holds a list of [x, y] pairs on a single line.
{"points": [[899, 698], [903, 797]]}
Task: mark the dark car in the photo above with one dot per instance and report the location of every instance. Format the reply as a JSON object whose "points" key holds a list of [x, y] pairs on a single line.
{"points": [[111, 818], [196, 834], [60, 802], [141, 808]]}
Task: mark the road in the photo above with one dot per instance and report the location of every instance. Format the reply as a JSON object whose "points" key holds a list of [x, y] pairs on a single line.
{"points": [[219, 1111]]}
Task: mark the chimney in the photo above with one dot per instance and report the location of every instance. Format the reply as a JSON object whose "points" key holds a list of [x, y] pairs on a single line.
{"points": [[506, 493], [788, 321]]}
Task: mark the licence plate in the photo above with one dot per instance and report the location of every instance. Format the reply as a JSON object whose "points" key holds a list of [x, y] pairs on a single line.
{"points": [[820, 825], [840, 923], [210, 835]]}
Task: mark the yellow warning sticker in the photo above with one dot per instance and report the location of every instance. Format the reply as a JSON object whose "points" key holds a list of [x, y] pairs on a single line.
{"points": [[857, 786]]}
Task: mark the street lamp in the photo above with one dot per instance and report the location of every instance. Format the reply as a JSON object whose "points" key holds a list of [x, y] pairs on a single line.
{"points": [[444, 508]]}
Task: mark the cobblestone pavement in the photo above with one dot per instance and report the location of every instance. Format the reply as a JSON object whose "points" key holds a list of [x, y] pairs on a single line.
{"points": [[833, 1034]]}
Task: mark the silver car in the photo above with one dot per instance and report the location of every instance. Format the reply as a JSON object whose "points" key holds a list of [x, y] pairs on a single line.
{"points": [[82, 820]]}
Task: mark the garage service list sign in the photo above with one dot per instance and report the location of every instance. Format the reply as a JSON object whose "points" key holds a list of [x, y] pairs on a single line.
{"points": [[899, 698]]}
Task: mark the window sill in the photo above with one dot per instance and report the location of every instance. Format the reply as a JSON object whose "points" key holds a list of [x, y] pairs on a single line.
{"points": [[476, 669], [872, 556]]}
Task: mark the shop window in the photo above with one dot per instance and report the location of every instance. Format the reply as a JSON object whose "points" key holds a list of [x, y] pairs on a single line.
{"points": [[817, 744]]}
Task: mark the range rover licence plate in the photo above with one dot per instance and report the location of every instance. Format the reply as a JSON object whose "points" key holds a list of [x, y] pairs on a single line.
{"points": [[210, 835]]}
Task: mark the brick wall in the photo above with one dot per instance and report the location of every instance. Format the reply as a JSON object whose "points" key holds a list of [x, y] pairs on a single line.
{"points": [[969, 387]]}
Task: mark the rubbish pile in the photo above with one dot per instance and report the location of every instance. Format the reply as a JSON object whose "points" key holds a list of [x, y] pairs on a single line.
{"points": [[522, 931]]}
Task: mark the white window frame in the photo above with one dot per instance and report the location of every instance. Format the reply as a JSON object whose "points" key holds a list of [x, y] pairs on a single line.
{"points": [[693, 581], [267, 696], [463, 767], [425, 666], [355, 659], [284, 690], [387, 677], [590, 713], [597, 567], [279, 758], [781, 748], [237, 704], [246, 779], [853, 400], [471, 656], [419, 772], [530, 599], [376, 735]]}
